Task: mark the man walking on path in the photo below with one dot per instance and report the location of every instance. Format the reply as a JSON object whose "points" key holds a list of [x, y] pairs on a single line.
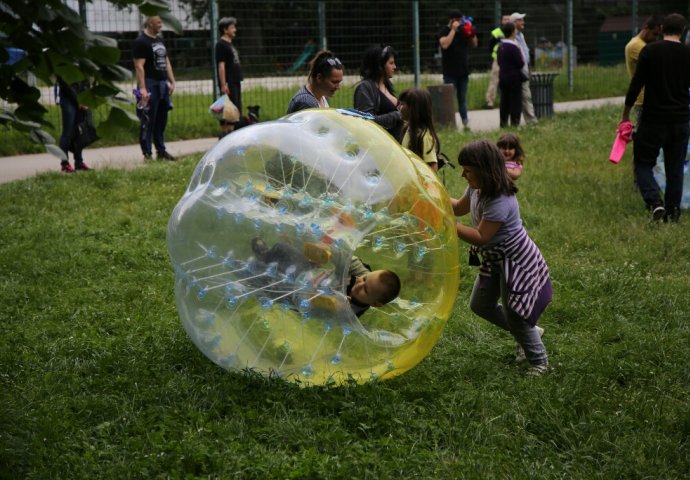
{"points": [[663, 69], [496, 36], [455, 40], [527, 107], [156, 83], [649, 33]]}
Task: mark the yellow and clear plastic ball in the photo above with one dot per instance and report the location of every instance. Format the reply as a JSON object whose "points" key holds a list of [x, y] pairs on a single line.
{"points": [[331, 186]]}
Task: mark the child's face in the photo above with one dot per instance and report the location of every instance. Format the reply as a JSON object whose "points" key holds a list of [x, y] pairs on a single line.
{"points": [[508, 152], [404, 111], [368, 289], [470, 174]]}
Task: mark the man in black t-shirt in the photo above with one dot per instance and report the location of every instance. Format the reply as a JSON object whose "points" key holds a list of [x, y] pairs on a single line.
{"points": [[156, 83], [455, 40], [663, 69], [228, 66]]}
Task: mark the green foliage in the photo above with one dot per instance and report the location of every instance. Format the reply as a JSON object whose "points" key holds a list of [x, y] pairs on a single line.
{"points": [[57, 43], [99, 380]]}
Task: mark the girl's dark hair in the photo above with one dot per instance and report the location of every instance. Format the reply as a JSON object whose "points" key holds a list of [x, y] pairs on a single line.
{"points": [[418, 104], [373, 61], [323, 62], [510, 140], [490, 168]]}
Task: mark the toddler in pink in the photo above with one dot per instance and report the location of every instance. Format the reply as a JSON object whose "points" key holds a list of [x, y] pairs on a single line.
{"points": [[510, 147]]}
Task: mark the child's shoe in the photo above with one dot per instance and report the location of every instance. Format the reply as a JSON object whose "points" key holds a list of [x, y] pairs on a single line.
{"points": [[538, 370], [520, 352], [319, 253]]}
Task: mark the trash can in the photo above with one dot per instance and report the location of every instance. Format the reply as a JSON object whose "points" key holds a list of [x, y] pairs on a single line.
{"points": [[443, 104], [541, 86]]}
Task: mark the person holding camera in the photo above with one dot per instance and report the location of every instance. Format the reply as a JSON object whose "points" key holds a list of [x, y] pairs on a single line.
{"points": [[455, 40]]}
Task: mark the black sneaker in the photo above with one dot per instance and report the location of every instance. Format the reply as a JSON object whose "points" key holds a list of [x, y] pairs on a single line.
{"points": [[259, 247], [672, 215], [147, 157], [658, 213], [164, 155]]}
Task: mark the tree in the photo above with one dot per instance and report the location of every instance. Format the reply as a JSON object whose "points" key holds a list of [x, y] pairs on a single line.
{"points": [[55, 42]]}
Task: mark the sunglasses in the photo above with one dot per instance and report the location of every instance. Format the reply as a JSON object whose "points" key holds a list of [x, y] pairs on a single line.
{"points": [[334, 62], [386, 50]]}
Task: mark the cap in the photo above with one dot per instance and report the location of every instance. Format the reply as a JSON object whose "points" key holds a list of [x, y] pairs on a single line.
{"points": [[455, 14], [517, 16]]}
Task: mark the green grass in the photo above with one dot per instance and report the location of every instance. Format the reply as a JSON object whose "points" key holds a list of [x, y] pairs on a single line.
{"points": [[190, 118], [99, 380]]}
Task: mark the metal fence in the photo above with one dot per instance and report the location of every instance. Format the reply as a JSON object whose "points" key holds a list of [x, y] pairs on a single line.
{"points": [[276, 39]]}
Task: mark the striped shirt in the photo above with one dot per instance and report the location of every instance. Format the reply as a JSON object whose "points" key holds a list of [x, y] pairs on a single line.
{"points": [[524, 269]]}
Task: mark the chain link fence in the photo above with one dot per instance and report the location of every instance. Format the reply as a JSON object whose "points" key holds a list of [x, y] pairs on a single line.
{"points": [[276, 40]]}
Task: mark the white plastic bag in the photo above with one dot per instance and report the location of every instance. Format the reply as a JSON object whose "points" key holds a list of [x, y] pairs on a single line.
{"points": [[224, 109]]}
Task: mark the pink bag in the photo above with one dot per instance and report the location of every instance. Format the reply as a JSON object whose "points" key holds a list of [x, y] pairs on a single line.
{"points": [[623, 137]]}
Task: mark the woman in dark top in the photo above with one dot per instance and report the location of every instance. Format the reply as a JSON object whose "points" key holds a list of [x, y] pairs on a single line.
{"points": [[375, 93], [73, 113], [512, 72], [325, 76]]}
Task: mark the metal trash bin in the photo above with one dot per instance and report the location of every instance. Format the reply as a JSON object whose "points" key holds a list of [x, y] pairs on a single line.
{"points": [[443, 104], [541, 86]]}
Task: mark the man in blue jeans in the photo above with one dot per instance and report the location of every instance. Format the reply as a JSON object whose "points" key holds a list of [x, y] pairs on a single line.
{"points": [[663, 69], [156, 83], [455, 40]]}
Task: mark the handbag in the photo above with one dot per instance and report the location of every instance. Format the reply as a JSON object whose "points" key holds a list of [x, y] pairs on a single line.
{"points": [[443, 160], [84, 133]]}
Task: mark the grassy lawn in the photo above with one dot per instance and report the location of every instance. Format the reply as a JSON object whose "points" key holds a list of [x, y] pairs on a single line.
{"points": [[98, 378]]}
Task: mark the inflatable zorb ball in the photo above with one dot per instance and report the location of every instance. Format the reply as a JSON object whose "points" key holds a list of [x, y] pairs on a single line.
{"points": [[327, 187], [660, 176]]}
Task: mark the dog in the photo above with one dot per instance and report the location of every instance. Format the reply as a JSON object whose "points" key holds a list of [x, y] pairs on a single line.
{"points": [[251, 118]]}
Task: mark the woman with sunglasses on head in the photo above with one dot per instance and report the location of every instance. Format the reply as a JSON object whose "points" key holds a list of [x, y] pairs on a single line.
{"points": [[325, 77], [375, 93]]}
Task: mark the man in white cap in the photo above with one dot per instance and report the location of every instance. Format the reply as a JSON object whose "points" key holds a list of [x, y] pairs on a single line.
{"points": [[527, 108]]}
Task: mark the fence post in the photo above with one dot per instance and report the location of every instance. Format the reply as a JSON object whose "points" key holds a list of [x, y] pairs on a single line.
{"points": [[415, 43], [322, 25], [497, 12], [214, 39], [569, 30], [82, 11]]}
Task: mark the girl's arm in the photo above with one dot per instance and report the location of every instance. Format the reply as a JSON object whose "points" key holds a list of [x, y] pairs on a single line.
{"points": [[461, 206], [514, 173], [478, 236]]}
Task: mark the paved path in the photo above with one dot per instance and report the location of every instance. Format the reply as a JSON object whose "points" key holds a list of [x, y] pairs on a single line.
{"points": [[129, 156]]}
